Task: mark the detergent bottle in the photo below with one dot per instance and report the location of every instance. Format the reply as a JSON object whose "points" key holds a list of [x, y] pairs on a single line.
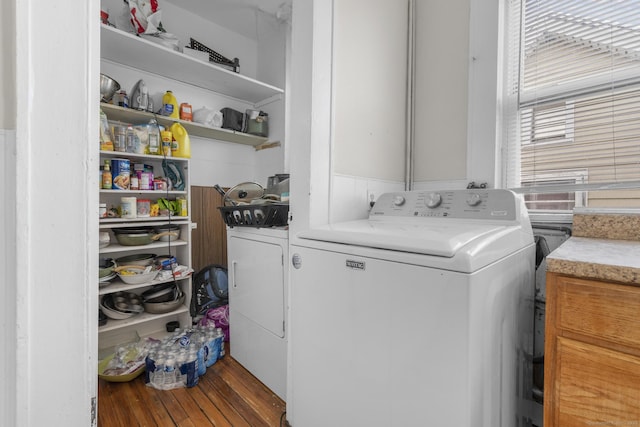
{"points": [[170, 105], [181, 145]]}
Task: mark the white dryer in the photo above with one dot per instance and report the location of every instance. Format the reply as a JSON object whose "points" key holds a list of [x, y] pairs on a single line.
{"points": [[258, 270], [419, 315]]}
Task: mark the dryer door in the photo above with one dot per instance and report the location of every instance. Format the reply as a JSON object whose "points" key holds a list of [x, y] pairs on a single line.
{"points": [[256, 282]]}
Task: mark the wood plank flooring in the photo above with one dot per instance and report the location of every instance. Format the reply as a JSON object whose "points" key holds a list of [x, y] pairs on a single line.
{"points": [[227, 395]]}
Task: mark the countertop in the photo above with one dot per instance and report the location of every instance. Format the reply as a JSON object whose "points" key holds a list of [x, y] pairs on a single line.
{"points": [[603, 247]]}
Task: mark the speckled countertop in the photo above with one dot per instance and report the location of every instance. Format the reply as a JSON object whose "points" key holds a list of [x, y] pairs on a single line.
{"points": [[603, 247]]}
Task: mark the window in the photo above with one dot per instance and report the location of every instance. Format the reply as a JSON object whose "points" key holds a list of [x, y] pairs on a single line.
{"points": [[572, 105], [538, 200], [547, 123]]}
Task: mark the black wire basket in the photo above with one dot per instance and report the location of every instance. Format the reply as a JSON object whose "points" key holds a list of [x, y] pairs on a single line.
{"points": [[267, 215], [215, 57]]}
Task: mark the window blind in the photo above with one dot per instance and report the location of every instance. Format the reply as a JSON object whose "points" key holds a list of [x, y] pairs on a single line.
{"points": [[573, 102]]}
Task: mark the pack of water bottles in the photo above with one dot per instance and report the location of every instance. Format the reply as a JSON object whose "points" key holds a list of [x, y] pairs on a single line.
{"points": [[180, 359]]}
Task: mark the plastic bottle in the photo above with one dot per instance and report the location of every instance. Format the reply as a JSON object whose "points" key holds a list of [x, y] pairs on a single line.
{"points": [[186, 113], [106, 176], [181, 145], [130, 140], [167, 138], [154, 137], [170, 105]]}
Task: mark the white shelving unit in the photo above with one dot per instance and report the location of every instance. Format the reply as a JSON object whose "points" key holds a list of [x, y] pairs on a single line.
{"points": [[145, 324], [137, 52], [128, 115]]}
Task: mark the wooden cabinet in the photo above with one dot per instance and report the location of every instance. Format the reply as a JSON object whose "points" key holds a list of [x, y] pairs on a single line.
{"points": [[592, 353]]}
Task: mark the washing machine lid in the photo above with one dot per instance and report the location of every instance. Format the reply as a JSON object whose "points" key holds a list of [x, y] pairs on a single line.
{"points": [[469, 228], [444, 240]]}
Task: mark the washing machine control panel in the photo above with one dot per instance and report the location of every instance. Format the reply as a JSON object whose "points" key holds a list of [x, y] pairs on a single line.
{"points": [[489, 204]]}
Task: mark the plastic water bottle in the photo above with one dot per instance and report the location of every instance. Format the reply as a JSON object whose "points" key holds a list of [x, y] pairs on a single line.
{"points": [[169, 371]]}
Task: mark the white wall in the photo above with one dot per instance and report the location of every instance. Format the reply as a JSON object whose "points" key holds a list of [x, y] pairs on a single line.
{"points": [[50, 215], [456, 106], [441, 74], [369, 86], [8, 289]]}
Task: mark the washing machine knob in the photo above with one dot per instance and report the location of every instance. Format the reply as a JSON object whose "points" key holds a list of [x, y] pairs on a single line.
{"points": [[473, 199], [399, 200], [433, 200]]}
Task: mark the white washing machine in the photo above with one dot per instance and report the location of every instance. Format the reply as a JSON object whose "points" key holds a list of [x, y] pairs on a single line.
{"points": [[257, 268], [418, 316]]}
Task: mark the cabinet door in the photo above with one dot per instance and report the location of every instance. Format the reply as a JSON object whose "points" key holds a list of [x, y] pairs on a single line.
{"points": [[256, 282], [595, 386], [592, 353]]}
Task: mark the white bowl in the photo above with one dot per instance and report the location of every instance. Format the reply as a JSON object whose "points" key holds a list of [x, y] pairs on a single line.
{"points": [[139, 277]]}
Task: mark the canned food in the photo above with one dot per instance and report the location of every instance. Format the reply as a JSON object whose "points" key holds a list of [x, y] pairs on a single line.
{"points": [[120, 169]]}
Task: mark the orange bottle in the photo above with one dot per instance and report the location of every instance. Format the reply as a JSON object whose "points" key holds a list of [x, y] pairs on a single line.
{"points": [[186, 112]]}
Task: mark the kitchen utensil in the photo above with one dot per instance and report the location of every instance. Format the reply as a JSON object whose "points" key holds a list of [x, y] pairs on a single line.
{"points": [[106, 281], [138, 236], [256, 122], [243, 193], [117, 378], [136, 274], [107, 304], [103, 238], [164, 307], [106, 267], [140, 96], [160, 293], [169, 232], [108, 87], [136, 259]]}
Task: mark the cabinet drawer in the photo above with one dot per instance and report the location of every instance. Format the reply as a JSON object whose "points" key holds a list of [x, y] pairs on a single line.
{"points": [[595, 386], [601, 310]]}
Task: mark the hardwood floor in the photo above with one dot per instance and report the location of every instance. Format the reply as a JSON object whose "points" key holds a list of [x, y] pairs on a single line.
{"points": [[227, 395]]}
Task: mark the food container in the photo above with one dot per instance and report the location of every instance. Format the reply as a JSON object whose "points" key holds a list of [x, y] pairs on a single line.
{"points": [[143, 208], [167, 137], [166, 262], [120, 170], [120, 138], [128, 207], [145, 180]]}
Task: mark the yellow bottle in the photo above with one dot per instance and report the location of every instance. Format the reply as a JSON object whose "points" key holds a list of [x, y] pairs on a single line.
{"points": [[106, 176], [181, 145], [170, 105]]}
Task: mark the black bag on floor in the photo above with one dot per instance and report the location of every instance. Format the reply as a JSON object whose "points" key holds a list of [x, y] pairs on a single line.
{"points": [[210, 289]]}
